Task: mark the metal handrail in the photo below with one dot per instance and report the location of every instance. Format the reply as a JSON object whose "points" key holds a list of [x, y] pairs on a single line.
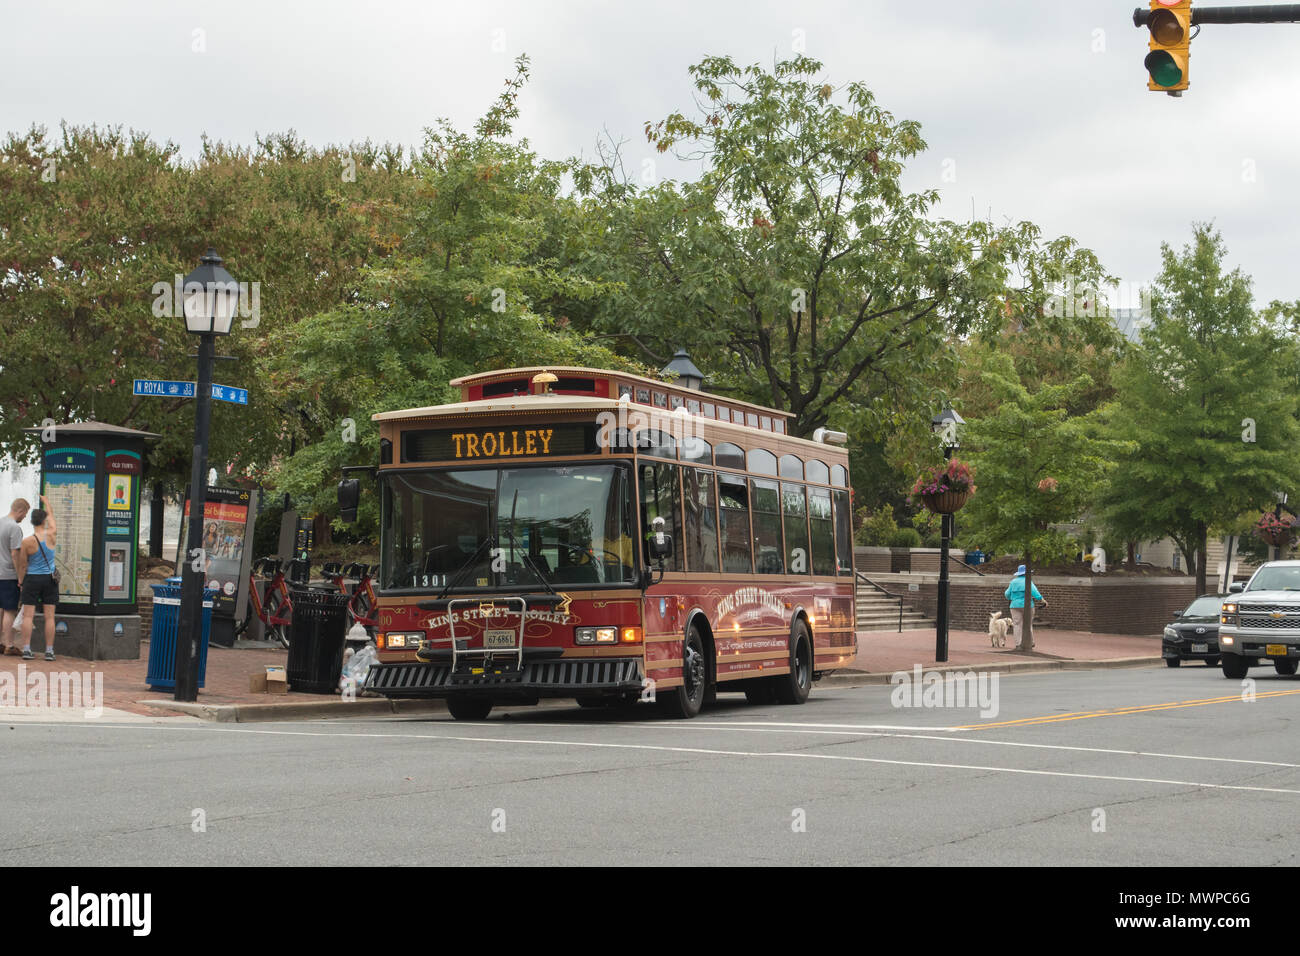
{"points": [[862, 577], [953, 557]]}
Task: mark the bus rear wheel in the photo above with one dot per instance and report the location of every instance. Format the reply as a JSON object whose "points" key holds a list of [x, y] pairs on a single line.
{"points": [[469, 708], [685, 700], [794, 687]]}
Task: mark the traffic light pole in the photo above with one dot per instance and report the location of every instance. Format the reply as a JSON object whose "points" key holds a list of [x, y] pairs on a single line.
{"points": [[1254, 13]]}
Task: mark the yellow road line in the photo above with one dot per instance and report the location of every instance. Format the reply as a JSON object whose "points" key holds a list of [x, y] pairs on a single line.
{"points": [[1122, 711]]}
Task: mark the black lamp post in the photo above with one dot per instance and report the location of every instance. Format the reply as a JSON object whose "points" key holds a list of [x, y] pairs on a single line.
{"points": [[944, 425], [1277, 513], [211, 295]]}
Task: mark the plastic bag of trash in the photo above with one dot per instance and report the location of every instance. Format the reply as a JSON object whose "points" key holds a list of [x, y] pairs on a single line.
{"points": [[357, 666]]}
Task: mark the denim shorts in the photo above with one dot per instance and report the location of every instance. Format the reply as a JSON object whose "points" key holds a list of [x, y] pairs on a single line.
{"points": [[8, 595], [40, 589]]}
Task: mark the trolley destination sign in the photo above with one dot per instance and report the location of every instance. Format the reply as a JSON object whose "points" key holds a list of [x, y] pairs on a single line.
{"points": [[160, 388]]}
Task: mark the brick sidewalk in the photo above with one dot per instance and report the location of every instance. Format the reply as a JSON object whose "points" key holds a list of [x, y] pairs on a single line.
{"points": [[225, 682]]}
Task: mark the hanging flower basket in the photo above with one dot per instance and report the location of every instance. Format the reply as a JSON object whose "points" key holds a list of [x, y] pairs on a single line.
{"points": [[946, 502], [1276, 531], [944, 490]]}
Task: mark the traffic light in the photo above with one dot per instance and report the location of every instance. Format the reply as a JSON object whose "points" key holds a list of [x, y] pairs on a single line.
{"points": [[1170, 22]]}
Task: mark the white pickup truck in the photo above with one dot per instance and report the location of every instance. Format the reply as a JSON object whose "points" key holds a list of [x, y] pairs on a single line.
{"points": [[1260, 621]]}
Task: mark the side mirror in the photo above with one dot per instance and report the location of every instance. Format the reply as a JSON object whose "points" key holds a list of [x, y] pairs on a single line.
{"points": [[349, 495], [1178, 614], [661, 543], [1236, 587]]}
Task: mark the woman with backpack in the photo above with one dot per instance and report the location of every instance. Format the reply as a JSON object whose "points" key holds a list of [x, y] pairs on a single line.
{"points": [[39, 578]]}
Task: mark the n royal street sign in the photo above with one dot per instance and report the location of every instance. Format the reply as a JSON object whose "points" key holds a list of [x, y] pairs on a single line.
{"points": [[159, 388]]}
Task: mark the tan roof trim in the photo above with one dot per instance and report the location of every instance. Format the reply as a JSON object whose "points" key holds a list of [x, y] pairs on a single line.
{"points": [[480, 378]]}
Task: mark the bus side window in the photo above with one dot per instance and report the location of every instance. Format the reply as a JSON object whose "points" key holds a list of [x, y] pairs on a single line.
{"points": [[767, 525], [794, 507], [659, 498], [823, 533], [733, 501], [701, 521], [843, 533]]}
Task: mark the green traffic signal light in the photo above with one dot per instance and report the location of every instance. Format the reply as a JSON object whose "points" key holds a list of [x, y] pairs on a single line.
{"points": [[1164, 70]]}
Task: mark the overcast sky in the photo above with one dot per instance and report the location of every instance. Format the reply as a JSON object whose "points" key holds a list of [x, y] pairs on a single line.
{"points": [[1032, 109]]}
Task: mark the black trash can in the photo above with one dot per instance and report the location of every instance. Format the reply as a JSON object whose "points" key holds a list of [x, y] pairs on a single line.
{"points": [[317, 633]]}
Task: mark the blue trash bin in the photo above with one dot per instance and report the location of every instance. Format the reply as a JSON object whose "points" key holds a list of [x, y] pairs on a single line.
{"points": [[162, 635]]}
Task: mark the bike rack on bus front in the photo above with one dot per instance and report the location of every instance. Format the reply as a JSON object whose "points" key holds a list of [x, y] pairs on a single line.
{"points": [[486, 609]]}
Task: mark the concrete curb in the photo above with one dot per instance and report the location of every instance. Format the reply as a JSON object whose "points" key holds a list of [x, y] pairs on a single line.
{"points": [[299, 710], [843, 678]]}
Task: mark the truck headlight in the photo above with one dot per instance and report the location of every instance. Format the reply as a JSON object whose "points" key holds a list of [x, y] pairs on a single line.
{"points": [[1228, 609], [1171, 634]]}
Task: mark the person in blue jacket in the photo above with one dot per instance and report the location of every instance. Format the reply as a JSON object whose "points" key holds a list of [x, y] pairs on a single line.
{"points": [[1015, 593]]}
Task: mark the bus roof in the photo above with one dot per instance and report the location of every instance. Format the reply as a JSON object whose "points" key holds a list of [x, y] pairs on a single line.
{"points": [[542, 404], [611, 379]]}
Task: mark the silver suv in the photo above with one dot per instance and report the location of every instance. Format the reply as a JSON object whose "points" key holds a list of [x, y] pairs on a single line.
{"points": [[1260, 621]]}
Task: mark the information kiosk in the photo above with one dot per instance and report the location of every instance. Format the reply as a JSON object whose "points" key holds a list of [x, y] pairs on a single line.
{"points": [[91, 474]]}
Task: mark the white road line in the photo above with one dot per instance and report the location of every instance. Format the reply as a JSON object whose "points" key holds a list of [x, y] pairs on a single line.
{"points": [[788, 728], [713, 752]]}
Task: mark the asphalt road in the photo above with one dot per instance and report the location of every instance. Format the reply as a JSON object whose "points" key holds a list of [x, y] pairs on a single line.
{"points": [[1146, 766]]}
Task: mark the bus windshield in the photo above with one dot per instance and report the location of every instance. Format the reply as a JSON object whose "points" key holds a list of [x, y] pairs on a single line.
{"points": [[488, 528]]}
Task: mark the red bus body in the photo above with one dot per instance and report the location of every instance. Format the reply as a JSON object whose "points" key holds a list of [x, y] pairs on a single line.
{"points": [[746, 620]]}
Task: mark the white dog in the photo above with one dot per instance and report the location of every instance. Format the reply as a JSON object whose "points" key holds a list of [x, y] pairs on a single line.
{"points": [[998, 627]]}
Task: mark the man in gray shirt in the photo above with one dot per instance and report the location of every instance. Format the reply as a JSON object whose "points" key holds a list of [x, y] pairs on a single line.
{"points": [[11, 538]]}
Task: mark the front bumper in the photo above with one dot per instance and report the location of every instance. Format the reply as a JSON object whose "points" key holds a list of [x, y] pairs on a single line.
{"points": [[562, 677], [1269, 645], [1183, 649]]}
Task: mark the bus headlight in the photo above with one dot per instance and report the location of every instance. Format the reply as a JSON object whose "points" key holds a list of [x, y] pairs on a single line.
{"points": [[403, 639], [595, 635]]}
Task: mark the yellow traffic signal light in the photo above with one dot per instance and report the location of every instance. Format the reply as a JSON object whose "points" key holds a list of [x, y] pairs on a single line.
{"points": [[1170, 23]]}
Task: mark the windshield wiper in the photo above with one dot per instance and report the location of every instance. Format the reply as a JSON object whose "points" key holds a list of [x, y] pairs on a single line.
{"points": [[454, 580], [523, 553]]}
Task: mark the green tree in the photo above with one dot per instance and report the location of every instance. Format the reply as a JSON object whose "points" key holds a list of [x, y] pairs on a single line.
{"points": [[1208, 402], [481, 277], [93, 221], [797, 269], [1036, 465]]}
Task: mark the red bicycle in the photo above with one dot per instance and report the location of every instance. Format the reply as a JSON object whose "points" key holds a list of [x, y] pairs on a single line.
{"points": [[361, 605], [274, 607]]}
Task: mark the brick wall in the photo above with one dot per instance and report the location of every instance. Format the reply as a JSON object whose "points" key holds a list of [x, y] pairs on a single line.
{"points": [[872, 560], [1098, 605], [926, 561]]}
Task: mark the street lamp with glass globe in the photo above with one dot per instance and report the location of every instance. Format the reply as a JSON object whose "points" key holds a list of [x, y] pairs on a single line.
{"points": [[211, 297], [944, 425]]}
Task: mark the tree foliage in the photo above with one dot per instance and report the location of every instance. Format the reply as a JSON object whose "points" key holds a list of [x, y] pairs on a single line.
{"points": [[797, 269], [1209, 402], [1036, 465]]}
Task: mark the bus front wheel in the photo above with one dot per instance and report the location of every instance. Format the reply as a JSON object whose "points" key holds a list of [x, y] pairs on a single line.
{"points": [[687, 699]]}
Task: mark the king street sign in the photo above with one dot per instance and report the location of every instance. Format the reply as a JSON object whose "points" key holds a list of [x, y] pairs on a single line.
{"points": [[164, 389]]}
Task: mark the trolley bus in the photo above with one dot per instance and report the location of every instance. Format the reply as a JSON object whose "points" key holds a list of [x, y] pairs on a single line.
{"points": [[586, 534]]}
